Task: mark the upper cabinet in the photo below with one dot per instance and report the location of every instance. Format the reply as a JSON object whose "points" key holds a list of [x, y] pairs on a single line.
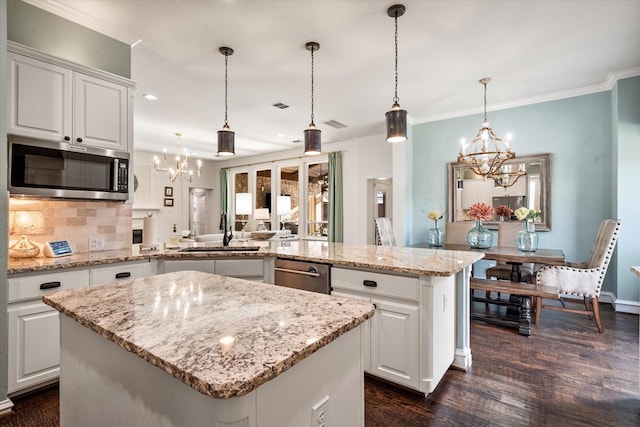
{"points": [[54, 100]]}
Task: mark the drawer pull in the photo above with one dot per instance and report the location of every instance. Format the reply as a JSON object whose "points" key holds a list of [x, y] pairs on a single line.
{"points": [[123, 275], [370, 283], [313, 272], [50, 285]]}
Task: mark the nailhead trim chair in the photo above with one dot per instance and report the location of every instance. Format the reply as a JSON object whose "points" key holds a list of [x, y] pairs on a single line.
{"points": [[582, 279], [455, 233]]}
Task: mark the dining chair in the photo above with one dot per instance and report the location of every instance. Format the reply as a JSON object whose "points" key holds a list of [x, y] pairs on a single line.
{"points": [[384, 232], [584, 279], [455, 233], [507, 232]]}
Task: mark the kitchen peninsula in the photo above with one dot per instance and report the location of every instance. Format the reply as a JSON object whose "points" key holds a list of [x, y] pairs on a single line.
{"points": [[266, 355], [421, 326]]}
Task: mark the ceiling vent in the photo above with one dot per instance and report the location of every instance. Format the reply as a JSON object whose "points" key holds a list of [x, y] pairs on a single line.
{"points": [[335, 124], [280, 105], [296, 141]]}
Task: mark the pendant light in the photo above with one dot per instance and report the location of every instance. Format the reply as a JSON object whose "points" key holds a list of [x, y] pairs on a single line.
{"points": [[396, 117], [312, 143], [226, 137]]}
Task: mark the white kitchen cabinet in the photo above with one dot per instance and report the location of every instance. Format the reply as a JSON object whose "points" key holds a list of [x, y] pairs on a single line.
{"points": [[412, 334], [33, 327], [173, 265], [394, 342], [477, 190], [121, 271], [60, 101], [40, 98], [365, 336], [100, 112]]}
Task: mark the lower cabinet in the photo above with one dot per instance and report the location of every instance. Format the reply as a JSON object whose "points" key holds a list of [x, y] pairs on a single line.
{"points": [[34, 328], [411, 338], [244, 268], [122, 271]]}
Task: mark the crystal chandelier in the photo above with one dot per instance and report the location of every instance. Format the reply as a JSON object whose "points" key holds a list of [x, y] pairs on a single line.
{"points": [[182, 164], [486, 153]]}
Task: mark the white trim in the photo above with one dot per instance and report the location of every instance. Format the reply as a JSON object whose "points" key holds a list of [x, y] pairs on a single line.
{"points": [[609, 82], [63, 11], [5, 406], [607, 297]]}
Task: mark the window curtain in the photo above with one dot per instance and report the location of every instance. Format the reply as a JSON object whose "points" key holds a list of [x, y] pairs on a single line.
{"points": [[224, 190], [335, 198]]}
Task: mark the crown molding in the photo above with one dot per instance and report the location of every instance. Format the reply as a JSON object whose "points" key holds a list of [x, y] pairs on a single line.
{"points": [[607, 85], [63, 11]]}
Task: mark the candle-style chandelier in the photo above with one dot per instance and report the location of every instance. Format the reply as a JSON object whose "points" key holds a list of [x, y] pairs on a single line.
{"points": [[486, 153], [182, 164]]}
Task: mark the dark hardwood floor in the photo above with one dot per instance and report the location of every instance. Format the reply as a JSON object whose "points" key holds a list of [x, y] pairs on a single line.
{"points": [[564, 374]]}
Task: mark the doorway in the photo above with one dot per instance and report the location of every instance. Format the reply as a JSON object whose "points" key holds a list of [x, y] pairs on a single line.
{"points": [[199, 208], [379, 204]]}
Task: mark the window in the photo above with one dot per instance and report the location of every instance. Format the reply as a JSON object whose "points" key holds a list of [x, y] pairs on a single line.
{"points": [[317, 199], [241, 206], [289, 211]]}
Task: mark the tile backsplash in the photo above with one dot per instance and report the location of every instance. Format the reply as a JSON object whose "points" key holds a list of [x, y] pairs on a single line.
{"points": [[77, 220]]}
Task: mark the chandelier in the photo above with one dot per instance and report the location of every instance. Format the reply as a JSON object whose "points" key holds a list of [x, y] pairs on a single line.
{"points": [[312, 135], [507, 175], [486, 153], [182, 164]]}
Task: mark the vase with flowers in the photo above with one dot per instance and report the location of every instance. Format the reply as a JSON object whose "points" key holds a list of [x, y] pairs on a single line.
{"points": [[479, 237], [504, 213], [527, 238], [435, 235]]}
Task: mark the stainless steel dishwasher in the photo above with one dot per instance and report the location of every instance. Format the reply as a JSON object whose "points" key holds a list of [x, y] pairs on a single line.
{"points": [[308, 276]]}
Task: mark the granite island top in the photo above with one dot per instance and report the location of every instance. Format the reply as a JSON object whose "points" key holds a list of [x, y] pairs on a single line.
{"points": [[419, 261], [222, 336]]}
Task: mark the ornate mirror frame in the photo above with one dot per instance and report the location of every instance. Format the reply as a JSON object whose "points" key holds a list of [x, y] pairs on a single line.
{"points": [[479, 189]]}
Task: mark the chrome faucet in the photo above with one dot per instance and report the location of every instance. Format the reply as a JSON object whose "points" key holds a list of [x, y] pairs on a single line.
{"points": [[226, 237]]}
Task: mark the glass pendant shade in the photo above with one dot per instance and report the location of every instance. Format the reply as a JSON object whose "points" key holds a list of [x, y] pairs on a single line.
{"points": [[396, 124], [312, 141], [226, 142]]}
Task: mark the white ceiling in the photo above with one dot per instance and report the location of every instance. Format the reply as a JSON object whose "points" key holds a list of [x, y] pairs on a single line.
{"points": [[533, 50]]}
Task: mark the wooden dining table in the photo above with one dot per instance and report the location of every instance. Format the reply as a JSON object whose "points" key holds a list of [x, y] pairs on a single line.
{"points": [[518, 311]]}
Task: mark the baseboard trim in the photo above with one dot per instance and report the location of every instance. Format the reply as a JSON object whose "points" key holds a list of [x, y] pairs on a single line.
{"points": [[5, 406]]}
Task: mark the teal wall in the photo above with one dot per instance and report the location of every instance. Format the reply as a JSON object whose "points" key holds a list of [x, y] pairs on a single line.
{"points": [[41, 30], [576, 131], [626, 148]]}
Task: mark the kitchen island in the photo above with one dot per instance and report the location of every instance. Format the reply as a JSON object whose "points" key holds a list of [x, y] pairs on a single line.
{"points": [[237, 353]]}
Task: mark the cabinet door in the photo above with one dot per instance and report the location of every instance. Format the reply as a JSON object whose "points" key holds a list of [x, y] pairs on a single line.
{"points": [[394, 342], [248, 269], [40, 99], [366, 330], [170, 266], [34, 345], [100, 113]]}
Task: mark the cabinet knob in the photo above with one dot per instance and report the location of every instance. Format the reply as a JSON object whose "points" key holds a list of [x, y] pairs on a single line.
{"points": [[374, 306], [67, 138], [78, 139]]}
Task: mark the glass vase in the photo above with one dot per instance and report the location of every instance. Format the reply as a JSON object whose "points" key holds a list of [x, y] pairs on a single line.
{"points": [[479, 237], [435, 237], [527, 238]]}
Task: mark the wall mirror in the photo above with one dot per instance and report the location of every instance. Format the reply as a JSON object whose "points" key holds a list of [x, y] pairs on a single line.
{"points": [[531, 190]]}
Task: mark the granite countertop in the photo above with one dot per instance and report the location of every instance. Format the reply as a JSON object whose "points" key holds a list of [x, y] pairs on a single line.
{"points": [[221, 336], [419, 261]]}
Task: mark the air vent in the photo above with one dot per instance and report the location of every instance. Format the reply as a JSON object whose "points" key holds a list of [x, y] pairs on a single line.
{"points": [[296, 141], [335, 124], [280, 105]]}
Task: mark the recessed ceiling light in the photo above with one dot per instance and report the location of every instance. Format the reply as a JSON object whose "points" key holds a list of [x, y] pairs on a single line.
{"points": [[150, 96], [281, 135]]}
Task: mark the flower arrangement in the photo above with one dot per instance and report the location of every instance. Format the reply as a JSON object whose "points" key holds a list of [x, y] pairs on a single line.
{"points": [[435, 216], [435, 236], [480, 212], [504, 211], [526, 214]]}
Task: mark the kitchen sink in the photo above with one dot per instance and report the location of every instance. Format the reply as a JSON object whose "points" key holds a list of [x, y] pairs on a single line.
{"points": [[220, 249]]}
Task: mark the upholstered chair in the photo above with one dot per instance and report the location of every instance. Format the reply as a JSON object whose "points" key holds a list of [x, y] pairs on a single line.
{"points": [[507, 239], [455, 233], [584, 279]]}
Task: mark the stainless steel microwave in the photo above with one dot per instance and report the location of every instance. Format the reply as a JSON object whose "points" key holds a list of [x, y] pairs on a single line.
{"points": [[63, 170]]}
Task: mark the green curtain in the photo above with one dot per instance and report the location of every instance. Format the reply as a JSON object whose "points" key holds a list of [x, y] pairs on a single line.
{"points": [[335, 198], [224, 190]]}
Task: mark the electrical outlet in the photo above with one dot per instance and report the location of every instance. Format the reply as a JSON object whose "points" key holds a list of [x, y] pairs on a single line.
{"points": [[320, 413], [96, 243]]}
